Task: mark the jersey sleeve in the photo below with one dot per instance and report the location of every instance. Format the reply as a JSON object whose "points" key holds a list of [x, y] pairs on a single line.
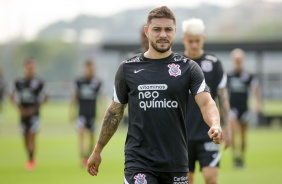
{"points": [[254, 81], [15, 92], [121, 88], [99, 86], [222, 77], [43, 92], [197, 79]]}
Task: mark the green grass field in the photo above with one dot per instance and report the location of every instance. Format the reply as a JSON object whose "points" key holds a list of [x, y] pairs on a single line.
{"points": [[58, 160]]}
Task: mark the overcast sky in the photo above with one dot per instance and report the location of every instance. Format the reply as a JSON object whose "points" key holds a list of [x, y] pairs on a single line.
{"points": [[27, 17]]}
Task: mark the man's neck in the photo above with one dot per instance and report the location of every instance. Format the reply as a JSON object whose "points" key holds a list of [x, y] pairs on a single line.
{"points": [[88, 76], [153, 54], [194, 56], [29, 77], [238, 70]]}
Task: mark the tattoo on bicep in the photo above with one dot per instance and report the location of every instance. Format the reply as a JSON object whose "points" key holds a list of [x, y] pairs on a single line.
{"points": [[223, 104], [111, 122]]}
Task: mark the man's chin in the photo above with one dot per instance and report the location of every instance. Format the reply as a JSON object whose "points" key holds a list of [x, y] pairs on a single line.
{"points": [[162, 50]]}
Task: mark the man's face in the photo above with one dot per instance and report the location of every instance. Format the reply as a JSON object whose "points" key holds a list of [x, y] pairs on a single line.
{"points": [[193, 43], [161, 33], [89, 70], [30, 69], [238, 60]]}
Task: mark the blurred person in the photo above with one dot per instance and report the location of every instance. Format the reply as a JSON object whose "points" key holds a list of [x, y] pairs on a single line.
{"points": [[85, 97], [200, 146], [2, 90], [144, 43], [239, 84], [155, 86], [28, 95]]}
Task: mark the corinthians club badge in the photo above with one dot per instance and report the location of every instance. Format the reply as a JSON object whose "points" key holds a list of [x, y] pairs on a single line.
{"points": [[174, 70], [140, 179]]}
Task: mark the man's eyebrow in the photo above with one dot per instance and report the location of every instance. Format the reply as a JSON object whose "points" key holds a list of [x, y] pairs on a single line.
{"points": [[162, 27]]}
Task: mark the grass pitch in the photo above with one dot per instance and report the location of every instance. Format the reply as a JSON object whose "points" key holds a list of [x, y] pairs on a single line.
{"points": [[58, 157]]}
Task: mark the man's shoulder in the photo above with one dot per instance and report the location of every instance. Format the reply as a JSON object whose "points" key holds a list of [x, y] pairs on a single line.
{"points": [[80, 80], [178, 57], [211, 57], [133, 59], [19, 80], [39, 80]]}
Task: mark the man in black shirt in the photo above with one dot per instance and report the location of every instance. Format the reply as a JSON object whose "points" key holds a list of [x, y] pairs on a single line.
{"points": [[239, 84], [2, 90], [85, 96], [155, 85], [28, 95], [200, 147]]}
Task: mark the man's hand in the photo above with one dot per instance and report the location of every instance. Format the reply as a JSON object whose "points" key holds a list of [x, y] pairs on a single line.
{"points": [[93, 163], [215, 133]]}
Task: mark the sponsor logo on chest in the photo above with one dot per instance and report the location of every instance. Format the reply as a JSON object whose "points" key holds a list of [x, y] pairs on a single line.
{"points": [[149, 96]]}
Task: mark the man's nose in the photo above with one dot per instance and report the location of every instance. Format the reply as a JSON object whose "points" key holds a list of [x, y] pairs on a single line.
{"points": [[163, 34]]}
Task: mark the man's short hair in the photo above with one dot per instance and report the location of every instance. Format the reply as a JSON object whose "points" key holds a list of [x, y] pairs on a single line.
{"points": [[237, 51], [160, 12], [89, 62], [193, 26], [29, 61]]}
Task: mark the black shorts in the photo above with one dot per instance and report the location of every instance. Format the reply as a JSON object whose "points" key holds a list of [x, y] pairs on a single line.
{"points": [[148, 177], [30, 124], [207, 153], [87, 122], [242, 115]]}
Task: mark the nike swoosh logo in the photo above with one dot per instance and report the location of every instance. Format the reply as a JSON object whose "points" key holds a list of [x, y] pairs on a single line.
{"points": [[136, 71]]}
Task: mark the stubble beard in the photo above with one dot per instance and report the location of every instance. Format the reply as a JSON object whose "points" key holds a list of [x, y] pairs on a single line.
{"points": [[160, 50]]}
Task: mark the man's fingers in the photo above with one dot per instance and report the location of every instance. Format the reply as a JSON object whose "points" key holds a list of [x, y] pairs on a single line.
{"points": [[92, 170]]}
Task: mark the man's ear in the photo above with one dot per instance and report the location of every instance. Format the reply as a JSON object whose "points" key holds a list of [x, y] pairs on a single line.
{"points": [[183, 38], [146, 30]]}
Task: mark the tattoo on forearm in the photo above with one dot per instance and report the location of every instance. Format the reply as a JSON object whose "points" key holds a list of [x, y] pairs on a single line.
{"points": [[111, 121], [223, 100]]}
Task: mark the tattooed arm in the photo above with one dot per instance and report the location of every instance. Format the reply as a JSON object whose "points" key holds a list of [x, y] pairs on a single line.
{"points": [[110, 124], [224, 106]]}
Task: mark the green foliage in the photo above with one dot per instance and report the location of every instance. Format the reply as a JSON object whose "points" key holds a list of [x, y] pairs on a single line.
{"points": [[55, 59]]}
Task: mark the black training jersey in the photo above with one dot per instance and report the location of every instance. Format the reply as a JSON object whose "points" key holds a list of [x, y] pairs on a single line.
{"points": [[29, 92], [2, 88], [238, 86], [156, 91], [215, 79], [87, 92]]}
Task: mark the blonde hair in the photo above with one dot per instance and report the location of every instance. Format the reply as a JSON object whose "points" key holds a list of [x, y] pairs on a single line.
{"points": [[237, 52], [193, 26]]}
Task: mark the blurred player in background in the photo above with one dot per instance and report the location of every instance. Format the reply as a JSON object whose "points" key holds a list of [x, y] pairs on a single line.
{"points": [[240, 82], [28, 95], [85, 97], [144, 43], [200, 147], [2, 91], [155, 86]]}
